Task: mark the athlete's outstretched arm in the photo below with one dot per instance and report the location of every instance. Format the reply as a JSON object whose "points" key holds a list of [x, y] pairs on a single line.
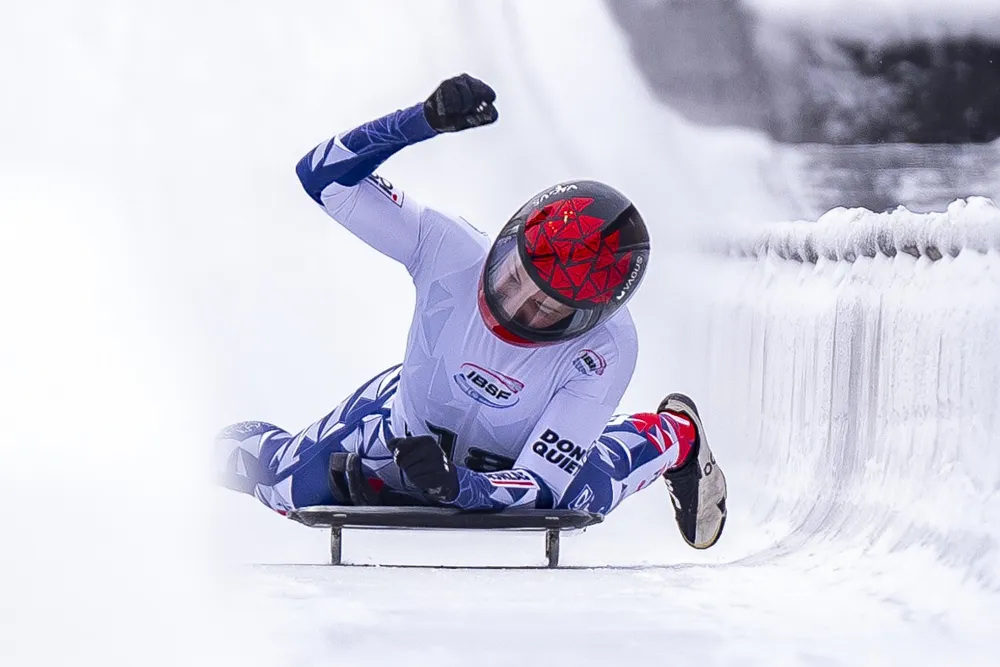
{"points": [[338, 174]]}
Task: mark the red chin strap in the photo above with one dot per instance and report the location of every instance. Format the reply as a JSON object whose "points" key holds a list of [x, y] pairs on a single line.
{"points": [[498, 329]]}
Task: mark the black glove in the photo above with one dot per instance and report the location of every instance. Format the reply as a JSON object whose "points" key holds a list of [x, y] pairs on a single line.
{"points": [[460, 103], [425, 465]]}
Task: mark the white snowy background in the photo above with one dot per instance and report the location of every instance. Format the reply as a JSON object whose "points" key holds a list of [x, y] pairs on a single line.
{"points": [[162, 274]]}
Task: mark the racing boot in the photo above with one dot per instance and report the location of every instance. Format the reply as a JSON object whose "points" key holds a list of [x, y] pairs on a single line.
{"points": [[697, 486]]}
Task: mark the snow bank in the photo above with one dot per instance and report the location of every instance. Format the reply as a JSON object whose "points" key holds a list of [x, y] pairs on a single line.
{"points": [[846, 234], [851, 369]]}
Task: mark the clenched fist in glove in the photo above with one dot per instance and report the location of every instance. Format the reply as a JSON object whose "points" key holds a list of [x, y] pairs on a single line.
{"points": [[460, 103], [425, 465]]}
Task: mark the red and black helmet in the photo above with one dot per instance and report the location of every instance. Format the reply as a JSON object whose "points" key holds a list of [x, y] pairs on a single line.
{"points": [[563, 264]]}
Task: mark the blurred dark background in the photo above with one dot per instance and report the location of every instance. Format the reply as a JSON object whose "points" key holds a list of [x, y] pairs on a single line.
{"points": [[907, 120]]}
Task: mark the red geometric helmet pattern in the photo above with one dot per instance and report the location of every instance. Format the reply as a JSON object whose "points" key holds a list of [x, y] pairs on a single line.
{"points": [[565, 247]]}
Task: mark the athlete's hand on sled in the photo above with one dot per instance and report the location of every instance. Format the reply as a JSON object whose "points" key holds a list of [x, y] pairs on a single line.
{"points": [[425, 465], [460, 103]]}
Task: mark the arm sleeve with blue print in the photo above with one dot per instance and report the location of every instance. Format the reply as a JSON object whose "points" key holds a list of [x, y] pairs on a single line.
{"points": [[339, 175], [558, 446]]}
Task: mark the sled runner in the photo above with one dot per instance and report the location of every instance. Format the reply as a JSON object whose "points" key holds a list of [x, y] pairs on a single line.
{"points": [[336, 518]]}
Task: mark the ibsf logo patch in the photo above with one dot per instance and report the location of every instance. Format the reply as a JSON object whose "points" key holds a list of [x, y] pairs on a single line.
{"points": [[589, 362], [488, 387], [392, 193]]}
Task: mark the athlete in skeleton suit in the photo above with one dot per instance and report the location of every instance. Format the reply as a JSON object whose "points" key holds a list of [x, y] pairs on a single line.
{"points": [[518, 353]]}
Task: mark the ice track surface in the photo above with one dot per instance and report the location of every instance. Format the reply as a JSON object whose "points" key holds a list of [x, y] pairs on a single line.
{"points": [[196, 285]]}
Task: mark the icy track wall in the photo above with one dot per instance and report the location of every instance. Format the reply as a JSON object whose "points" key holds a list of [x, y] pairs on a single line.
{"points": [[855, 366]]}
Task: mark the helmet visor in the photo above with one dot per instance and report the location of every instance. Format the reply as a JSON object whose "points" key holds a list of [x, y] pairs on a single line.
{"points": [[521, 305]]}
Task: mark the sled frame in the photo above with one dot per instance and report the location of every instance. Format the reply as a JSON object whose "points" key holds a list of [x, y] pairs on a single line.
{"points": [[337, 518]]}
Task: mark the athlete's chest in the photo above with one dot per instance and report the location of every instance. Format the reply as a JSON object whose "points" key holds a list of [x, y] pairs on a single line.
{"points": [[493, 379], [463, 372], [481, 406]]}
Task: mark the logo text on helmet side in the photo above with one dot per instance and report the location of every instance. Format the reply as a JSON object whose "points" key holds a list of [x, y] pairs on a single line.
{"points": [[632, 278], [557, 190]]}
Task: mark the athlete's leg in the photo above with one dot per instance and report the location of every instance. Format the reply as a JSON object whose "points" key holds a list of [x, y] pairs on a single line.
{"points": [[242, 452], [285, 471], [634, 451]]}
